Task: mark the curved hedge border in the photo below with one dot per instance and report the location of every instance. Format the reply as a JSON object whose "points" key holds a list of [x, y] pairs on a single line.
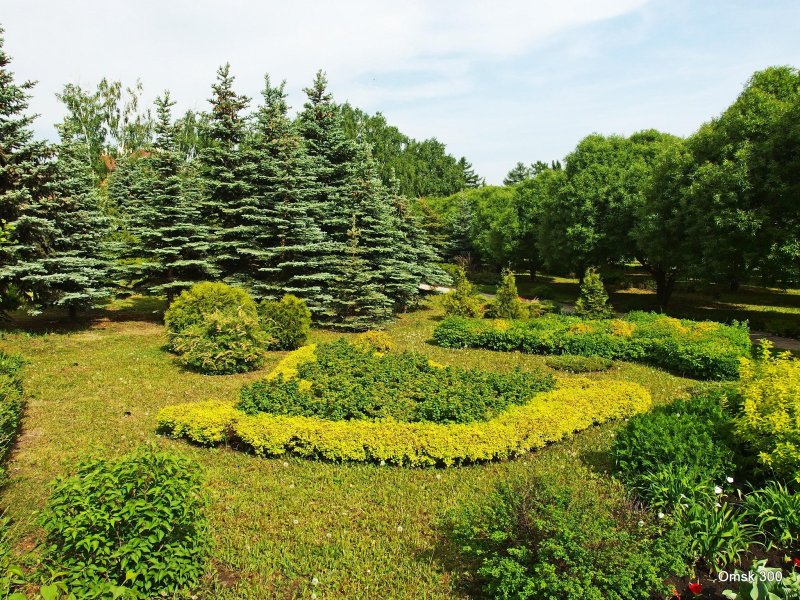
{"points": [[702, 349], [549, 417]]}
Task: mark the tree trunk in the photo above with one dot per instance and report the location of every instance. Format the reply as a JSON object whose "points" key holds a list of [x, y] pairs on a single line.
{"points": [[532, 271], [733, 284], [665, 283]]}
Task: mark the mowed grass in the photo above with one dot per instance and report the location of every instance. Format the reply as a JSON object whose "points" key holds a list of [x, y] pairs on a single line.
{"points": [[363, 531]]}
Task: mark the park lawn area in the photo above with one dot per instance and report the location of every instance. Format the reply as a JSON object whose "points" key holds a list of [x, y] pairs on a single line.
{"points": [[362, 530]]}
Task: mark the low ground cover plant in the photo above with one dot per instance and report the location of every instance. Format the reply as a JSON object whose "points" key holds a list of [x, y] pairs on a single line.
{"points": [[347, 382], [130, 527], [704, 349], [10, 405], [564, 537], [546, 417], [579, 364]]}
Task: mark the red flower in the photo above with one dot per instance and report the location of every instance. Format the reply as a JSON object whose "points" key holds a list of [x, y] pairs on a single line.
{"points": [[796, 562], [695, 588]]}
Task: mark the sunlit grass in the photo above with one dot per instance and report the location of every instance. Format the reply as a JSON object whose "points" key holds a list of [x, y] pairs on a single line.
{"points": [[364, 531]]}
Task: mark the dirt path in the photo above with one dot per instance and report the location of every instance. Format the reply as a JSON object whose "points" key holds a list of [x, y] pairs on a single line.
{"points": [[783, 343]]}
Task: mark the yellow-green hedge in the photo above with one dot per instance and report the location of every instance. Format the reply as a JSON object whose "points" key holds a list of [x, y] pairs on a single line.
{"points": [[549, 417]]}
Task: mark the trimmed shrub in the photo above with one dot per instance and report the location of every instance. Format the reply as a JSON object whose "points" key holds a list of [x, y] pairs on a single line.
{"points": [[593, 300], [132, 526], [462, 301], [223, 343], [346, 382], [195, 304], [287, 321], [10, 405], [769, 419], [699, 349], [579, 364], [549, 417], [380, 341], [677, 449], [571, 538]]}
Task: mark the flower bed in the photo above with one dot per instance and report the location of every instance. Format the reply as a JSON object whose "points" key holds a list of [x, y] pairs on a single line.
{"points": [[547, 417], [702, 349]]}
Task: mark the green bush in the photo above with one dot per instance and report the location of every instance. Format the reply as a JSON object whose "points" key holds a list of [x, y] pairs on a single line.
{"points": [[699, 349], [223, 343], [775, 511], [202, 299], [506, 304], [572, 538], [10, 405], [287, 322], [593, 300], [347, 382], [579, 364], [131, 526], [462, 301], [380, 341], [682, 448]]}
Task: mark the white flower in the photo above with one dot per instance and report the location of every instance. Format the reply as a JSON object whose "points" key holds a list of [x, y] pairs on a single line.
{"points": [[641, 523], [328, 535], [438, 476], [717, 490], [383, 463], [718, 505], [729, 479], [285, 464], [660, 515], [313, 596], [315, 581], [399, 529], [296, 521]]}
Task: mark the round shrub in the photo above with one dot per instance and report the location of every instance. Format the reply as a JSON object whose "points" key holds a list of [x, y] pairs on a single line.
{"points": [[128, 527], [194, 304], [556, 537], [380, 341], [287, 321], [222, 343], [579, 364]]}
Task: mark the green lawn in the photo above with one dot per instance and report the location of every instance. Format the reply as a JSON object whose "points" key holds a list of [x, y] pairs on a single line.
{"points": [[364, 531]]}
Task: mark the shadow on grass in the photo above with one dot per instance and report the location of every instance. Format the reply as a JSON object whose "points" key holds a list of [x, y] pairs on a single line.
{"points": [[57, 320]]}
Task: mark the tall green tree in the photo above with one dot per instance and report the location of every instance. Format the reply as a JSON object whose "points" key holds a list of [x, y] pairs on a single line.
{"points": [[225, 167], [172, 243], [25, 170], [297, 259]]}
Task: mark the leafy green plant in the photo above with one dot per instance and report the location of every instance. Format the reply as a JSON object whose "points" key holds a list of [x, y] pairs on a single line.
{"points": [[287, 321], [579, 364], [132, 526], [564, 538], [593, 300], [702, 349], [462, 301], [507, 304], [764, 583], [10, 404], [348, 382], [223, 343], [195, 304], [666, 488], [719, 536], [775, 511]]}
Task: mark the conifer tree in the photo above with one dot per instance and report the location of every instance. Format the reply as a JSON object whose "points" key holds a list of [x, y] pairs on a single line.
{"points": [[296, 257], [593, 300], [70, 269], [172, 242], [225, 168], [507, 304]]}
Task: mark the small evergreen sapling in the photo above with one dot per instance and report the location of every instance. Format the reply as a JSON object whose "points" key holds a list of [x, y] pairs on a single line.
{"points": [[593, 300], [462, 301], [507, 304]]}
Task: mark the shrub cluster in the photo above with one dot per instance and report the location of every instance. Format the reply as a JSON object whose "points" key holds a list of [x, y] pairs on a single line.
{"points": [[132, 527], [286, 321], [769, 420], [557, 537], [218, 329], [548, 417], [702, 349], [346, 382], [10, 405]]}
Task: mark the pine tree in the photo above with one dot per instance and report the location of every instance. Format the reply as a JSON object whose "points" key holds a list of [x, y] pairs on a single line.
{"points": [[25, 169], [71, 269], [507, 304], [172, 242], [471, 178], [593, 300], [225, 167], [295, 256]]}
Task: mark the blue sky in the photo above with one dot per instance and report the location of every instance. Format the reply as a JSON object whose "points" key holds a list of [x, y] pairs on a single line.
{"points": [[496, 81]]}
